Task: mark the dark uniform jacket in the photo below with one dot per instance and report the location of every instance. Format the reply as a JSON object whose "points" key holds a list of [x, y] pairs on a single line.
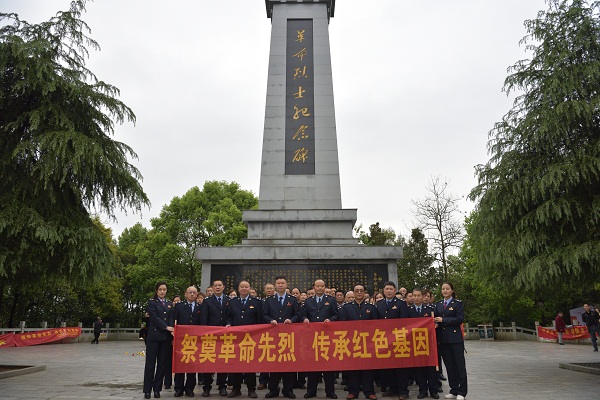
{"points": [[183, 315], [273, 310], [326, 309], [214, 314], [590, 318], [98, 326], [448, 331], [396, 309], [158, 320], [425, 311], [358, 312], [249, 314]]}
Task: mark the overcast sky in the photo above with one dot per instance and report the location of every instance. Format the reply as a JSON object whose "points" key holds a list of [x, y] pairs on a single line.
{"points": [[417, 88]]}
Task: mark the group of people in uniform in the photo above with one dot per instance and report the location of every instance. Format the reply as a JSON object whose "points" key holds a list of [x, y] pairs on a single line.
{"points": [[243, 308]]}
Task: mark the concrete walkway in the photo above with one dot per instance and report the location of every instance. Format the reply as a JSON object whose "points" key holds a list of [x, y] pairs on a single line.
{"points": [[497, 370]]}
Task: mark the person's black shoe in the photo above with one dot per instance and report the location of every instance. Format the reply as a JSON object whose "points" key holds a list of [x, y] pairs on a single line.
{"points": [[146, 395], [440, 390], [310, 395], [234, 393], [331, 396], [191, 393], [167, 386], [289, 395], [434, 396], [262, 386], [157, 395], [442, 377], [343, 382], [270, 395], [389, 393], [252, 394], [595, 349], [206, 393], [178, 393], [222, 392], [346, 388], [422, 395]]}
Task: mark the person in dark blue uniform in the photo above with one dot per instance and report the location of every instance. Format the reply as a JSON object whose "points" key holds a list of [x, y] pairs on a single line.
{"points": [[391, 307], [426, 377], [449, 315], [187, 312], [320, 308], [281, 308], [158, 341], [359, 310], [213, 313], [243, 310]]}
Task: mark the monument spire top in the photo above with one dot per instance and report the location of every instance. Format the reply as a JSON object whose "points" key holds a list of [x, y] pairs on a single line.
{"points": [[330, 5]]}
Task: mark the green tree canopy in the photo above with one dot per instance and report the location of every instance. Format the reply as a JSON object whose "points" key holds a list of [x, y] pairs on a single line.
{"points": [[58, 163], [538, 196], [416, 268], [377, 235]]}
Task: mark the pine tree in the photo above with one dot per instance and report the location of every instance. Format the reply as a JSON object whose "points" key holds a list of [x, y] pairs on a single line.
{"points": [[58, 163], [539, 194]]}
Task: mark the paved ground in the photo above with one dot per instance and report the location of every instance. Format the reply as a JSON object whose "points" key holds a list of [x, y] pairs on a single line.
{"points": [[497, 370]]}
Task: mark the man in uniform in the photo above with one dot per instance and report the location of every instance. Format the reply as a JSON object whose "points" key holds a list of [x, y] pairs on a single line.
{"points": [[320, 308], [426, 377], [395, 379], [281, 308], [359, 310], [214, 312], [263, 377], [243, 310], [591, 319], [186, 313]]}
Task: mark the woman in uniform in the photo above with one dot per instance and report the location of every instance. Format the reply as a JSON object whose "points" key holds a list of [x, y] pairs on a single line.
{"points": [[449, 316], [158, 341]]}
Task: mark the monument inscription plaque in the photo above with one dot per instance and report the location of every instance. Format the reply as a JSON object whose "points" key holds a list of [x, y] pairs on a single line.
{"points": [[339, 276], [300, 99]]}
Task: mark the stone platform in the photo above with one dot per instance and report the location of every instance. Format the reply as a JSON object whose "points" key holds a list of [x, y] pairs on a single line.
{"points": [[497, 370]]}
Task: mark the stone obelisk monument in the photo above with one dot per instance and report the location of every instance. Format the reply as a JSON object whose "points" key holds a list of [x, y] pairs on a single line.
{"points": [[300, 229]]}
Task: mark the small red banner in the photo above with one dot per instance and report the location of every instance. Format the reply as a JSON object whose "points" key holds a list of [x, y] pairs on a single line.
{"points": [[576, 332], [7, 340], [45, 336], [373, 344]]}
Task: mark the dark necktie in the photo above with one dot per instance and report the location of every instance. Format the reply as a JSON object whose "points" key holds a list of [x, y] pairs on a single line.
{"points": [[318, 300], [388, 302], [281, 300], [418, 310], [243, 302], [445, 305], [191, 306], [219, 300]]}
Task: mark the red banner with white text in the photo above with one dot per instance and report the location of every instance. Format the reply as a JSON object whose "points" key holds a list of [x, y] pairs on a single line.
{"points": [[576, 332], [335, 346], [45, 336]]}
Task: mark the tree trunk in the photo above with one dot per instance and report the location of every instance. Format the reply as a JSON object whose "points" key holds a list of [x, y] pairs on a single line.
{"points": [[13, 310]]}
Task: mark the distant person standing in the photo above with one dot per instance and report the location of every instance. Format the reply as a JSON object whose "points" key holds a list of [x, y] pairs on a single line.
{"points": [[158, 341], [97, 330], [591, 319], [561, 327]]}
